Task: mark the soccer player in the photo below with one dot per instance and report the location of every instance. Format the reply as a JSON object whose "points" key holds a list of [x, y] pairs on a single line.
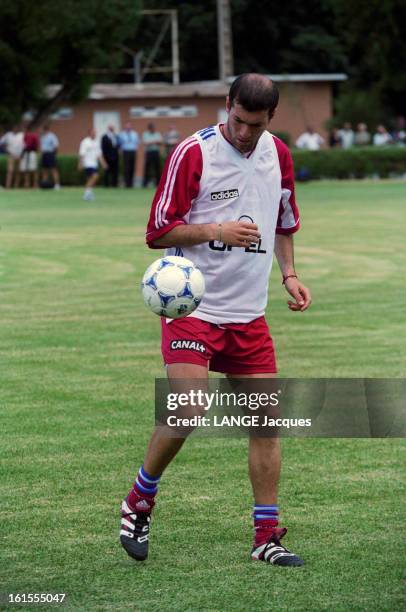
{"points": [[226, 201], [90, 155]]}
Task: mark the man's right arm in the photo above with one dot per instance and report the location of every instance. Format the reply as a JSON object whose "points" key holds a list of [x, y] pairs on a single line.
{"points": [[232, 233]]}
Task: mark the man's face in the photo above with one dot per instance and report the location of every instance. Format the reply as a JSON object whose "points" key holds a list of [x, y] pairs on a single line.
{"points": [[244, 128]]}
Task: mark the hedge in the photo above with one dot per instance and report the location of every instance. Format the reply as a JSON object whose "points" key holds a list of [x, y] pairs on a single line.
{"points": [[357, 162], [330, 163]]}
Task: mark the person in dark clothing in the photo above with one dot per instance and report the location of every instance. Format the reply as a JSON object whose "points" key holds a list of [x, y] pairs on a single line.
{"points": [[110, 147]]}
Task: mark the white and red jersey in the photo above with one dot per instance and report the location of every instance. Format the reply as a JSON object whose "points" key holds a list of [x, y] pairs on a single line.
{"points": [[207, 180]]}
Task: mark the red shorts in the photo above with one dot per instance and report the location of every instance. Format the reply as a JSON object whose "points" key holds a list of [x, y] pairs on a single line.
{"points": [[232, 348]]}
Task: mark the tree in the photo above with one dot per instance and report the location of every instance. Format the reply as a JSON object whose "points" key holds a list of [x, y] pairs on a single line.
{"points": [[61, 42], [376, 49]]}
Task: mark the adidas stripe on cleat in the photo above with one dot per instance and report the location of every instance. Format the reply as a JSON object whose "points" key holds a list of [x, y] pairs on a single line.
{"points": [[272, 551], [134, 532]]}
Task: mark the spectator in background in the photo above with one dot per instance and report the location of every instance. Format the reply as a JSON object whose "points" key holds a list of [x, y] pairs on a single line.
{"points": [[309, 140], [29, 160], [90, 156], [152, 162], [110, 148], [334, 140], [49, 144], [362, 137], [129, 142], [382, 136], [171, 139], [347, 136], [13, 143], [399, 133]]}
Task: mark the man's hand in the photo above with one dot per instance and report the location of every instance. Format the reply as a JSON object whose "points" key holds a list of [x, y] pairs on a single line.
{"points": [[300, 293], [236, 233]]}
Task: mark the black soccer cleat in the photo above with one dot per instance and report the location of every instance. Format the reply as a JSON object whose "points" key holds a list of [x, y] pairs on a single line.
{"points": [[272, 551], [134, 532]]}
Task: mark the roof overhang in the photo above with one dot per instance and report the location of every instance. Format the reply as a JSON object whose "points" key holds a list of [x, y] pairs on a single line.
{"points": [[198, 89]]}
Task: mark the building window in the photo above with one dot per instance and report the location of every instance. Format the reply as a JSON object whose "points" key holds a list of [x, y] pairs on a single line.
{"points": [[62, 113], [156, 112]]}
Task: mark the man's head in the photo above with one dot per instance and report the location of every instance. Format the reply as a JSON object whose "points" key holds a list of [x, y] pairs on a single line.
{"points": [[111, 128], [91, 133], [151, 127], [250, 105], [128, 126]]}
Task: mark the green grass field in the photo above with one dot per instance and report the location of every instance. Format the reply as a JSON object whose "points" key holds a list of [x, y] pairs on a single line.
{"points": [[79, 354]]}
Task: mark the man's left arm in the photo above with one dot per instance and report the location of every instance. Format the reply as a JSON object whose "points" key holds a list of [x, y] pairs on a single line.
{"points": [[284, 252]]}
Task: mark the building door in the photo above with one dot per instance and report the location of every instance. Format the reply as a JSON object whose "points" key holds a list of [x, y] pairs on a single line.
{"points": [[102, 119]]}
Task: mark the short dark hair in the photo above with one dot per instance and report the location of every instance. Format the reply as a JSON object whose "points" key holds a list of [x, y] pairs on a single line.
{"points": [[254, 92]]}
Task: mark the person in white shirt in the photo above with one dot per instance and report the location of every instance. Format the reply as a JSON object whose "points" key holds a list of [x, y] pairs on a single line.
{"points": [[226, 200], [382, 136], [13, 142], [310, 140], [152, 141], [346, 136], [90, 155]]}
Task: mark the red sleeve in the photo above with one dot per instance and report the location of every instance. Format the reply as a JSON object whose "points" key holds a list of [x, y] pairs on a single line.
{"points": [[178, 187], [288, 217]]}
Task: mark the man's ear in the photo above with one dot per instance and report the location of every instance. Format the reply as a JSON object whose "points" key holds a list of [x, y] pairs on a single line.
{"points": [[228, 105]]}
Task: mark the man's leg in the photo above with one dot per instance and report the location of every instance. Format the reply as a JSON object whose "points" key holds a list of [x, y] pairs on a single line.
{"points": [[114, 172], [90, 183], [264, 460], [264, 466], [162, 448], [126, 165], [57, 180], [92, 180], [106, 175], [147, 169], [44, 174], [11, 164], [157, 167]]}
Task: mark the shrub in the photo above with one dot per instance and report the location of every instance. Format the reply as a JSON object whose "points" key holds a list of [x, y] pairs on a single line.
{"points": [[350, 163], [328, 163], [284, 136]]}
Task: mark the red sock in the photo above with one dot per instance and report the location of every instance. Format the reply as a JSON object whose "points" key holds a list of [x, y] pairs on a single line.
{"points": [[264, 529], [140, 501]]}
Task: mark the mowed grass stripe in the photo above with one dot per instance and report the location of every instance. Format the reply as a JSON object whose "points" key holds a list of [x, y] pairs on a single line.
{"points": [[78, 357]]}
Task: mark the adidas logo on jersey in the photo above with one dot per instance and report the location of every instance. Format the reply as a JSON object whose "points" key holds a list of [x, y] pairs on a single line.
{"points": [[191, 345], [224, 195]]}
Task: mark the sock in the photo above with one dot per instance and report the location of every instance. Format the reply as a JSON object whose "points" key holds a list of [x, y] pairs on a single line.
{"points": [[265, 521], [145, 488]]}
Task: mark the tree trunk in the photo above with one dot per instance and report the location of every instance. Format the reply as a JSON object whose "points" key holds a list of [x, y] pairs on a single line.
{"points": [[51, 105]]}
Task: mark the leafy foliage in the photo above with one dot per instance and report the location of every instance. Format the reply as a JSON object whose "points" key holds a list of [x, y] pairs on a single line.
{"points": [[63, 41], [46, 42]]}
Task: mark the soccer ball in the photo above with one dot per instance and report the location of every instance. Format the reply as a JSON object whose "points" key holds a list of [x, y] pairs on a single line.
{"points": [[172, 287]]}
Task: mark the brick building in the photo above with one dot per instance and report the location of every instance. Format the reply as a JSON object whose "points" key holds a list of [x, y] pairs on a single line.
{"points": [[305, 100]]}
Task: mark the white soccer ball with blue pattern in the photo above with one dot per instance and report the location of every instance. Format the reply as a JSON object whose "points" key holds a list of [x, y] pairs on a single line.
{"points": [[172, 287]]}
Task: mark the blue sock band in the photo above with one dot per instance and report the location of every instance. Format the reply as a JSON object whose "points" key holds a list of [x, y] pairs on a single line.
{"points": [[146, 483], [263, 512]]}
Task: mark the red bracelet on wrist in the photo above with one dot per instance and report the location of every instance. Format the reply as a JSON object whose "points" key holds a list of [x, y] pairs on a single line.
{"points": [[285, 278]]}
